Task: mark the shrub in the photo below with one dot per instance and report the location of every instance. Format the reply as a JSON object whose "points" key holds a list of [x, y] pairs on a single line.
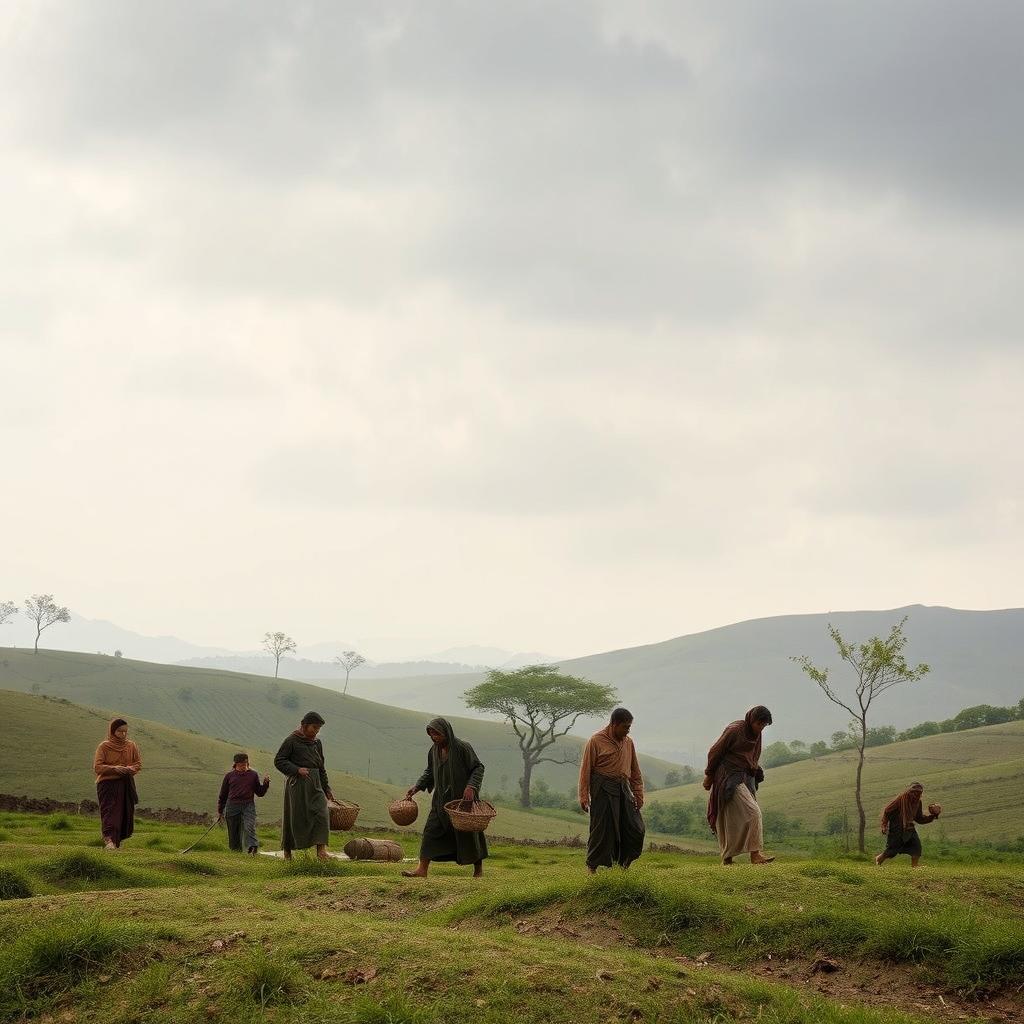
{"points": [[58, 823], [267, 980], [13, 885], [80, 866], [49, 957]]}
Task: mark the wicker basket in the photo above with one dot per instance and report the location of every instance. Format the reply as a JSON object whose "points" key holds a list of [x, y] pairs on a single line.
{"points": [[403, 812], [343, 814], [470, 816], [373, 849]]}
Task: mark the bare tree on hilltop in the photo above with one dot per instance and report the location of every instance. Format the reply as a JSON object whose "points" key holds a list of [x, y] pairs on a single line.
{"points": [[350, 661], [541, 706], [277, 645], [878, 665], [7, 611], [41, 609]]}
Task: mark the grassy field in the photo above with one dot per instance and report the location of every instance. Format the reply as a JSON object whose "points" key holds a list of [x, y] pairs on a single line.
{"points": [[149, 935], [184, 770], [977, 775], [361, 737]]}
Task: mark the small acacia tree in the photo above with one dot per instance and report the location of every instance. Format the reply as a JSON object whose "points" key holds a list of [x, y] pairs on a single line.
{"points": [[7, 610], [878, 665], [350, 661], [277, 645], [542, 706], [41, 609]]}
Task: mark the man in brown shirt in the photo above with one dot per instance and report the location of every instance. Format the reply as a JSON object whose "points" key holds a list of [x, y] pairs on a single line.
{"points": [[611, 789]]}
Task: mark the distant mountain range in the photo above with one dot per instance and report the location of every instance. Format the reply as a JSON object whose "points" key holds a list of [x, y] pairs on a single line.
{"points": [[312, 661], [683, 691]]}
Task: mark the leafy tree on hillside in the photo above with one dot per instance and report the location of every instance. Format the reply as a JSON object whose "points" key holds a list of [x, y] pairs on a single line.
{"points": [[541, 706], [673, 778], [350, 661], [916, 732], [118, 654], [878, 665], [290, 700], [819, 748], [41, 609], [982, 714], [277, 645], [7, 611]]}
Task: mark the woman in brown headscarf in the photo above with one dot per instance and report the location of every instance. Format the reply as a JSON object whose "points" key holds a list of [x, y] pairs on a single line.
{"points": [[899, 817], [116, 764], [732, 776]]}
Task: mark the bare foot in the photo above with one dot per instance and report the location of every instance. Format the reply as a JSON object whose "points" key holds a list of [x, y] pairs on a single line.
{"points": [[287, 854], [109, 845], [760, 858], [727, 861], [879, 859], [478, 873], [414, 874], [591, 871]]}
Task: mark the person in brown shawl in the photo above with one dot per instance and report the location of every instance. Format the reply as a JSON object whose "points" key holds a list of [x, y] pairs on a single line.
{"points": [[115, 765], [899, 817], [611, 790], [453, 772], [306, 821], [732, 775]]}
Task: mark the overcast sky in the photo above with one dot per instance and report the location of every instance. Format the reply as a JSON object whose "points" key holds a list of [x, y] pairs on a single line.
{"points": [[551, 326]]}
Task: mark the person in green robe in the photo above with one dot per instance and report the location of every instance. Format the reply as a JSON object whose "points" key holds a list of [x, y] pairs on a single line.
{"points": [[453, 772], [305, 822]]}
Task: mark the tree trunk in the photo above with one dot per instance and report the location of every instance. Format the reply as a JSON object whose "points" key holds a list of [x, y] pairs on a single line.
{"points": [[39, 632], [524, 783], [346, 682], [277, 665], [862, 825]]}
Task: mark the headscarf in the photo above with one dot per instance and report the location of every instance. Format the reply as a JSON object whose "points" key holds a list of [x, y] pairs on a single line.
{"points": [[908, 803], [113, 741]]}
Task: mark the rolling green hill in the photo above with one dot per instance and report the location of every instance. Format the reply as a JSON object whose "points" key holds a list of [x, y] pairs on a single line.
{"points": [[362, 737], [977, 775], [684, 690], [180, 769]]}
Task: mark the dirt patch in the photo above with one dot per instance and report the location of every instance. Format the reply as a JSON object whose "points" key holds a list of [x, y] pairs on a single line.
{"points": [[844, 980], [878, 984]]}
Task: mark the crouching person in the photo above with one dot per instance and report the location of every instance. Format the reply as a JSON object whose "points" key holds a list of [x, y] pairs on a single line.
{"points": [[237, 805]]}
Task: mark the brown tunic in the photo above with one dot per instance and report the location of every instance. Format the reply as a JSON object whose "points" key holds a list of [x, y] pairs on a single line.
{"points": [[615, 759]]}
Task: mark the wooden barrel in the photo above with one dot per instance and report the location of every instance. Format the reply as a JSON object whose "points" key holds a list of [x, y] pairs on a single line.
{"points": [[373, 849]]}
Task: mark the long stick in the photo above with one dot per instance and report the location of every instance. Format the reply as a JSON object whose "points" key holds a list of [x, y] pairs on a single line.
{"points": [[188, 849]]}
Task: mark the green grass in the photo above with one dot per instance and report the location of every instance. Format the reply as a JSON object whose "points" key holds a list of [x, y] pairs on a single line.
{"points": [[362, 738], [51, 956], [536, 940], [14, 885], [976, 775]]}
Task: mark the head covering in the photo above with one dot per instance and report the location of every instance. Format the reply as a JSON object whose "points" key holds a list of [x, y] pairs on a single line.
{"points": [[312, 718], [115, 741], [908, 803], [444, 727], [758, 714]]}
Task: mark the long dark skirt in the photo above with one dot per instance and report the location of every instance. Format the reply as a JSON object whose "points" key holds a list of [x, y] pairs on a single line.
{"points": [[441, 841], [898, 841], [117, 799], [616, 828]]}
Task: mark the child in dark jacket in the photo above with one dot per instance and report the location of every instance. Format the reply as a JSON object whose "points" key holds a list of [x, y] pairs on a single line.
{"points": [[236, 804]]}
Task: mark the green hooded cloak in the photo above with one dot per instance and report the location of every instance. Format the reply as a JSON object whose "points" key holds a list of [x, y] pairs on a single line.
{"points": [[447, 780]]}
